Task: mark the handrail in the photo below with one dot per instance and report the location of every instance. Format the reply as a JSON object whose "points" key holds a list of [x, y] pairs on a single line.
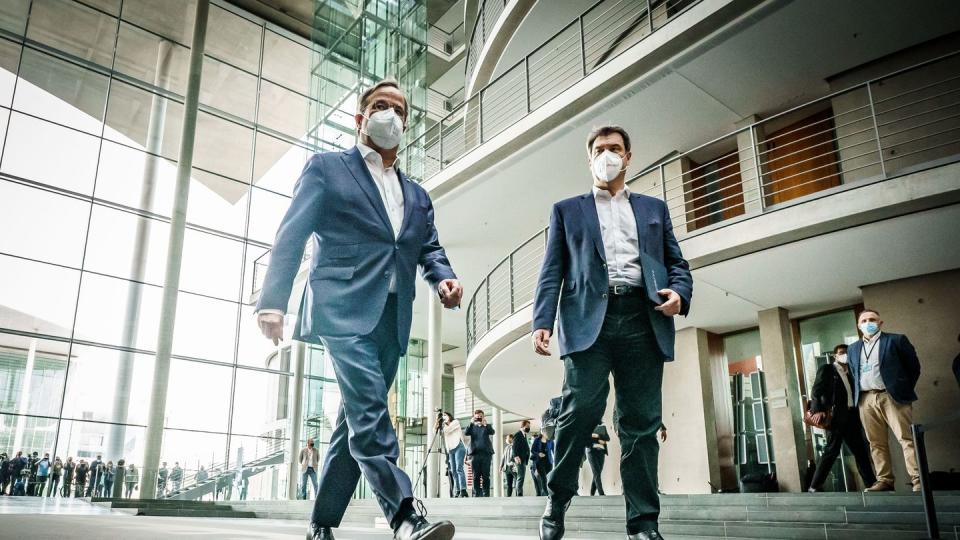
{"points": [[449, 39], [920, 449], [605, 30], [789, 156], [474, 46]]}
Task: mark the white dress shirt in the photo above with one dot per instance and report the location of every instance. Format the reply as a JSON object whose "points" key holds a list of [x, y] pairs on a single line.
{"points": [[870, 378], [388, 185], [621, 245]]}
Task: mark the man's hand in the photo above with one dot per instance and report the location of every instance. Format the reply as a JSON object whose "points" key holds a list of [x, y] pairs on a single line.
{"points": [[541, 341], [450, 293], [672, 305], [663, 435], [518, 460], [818, 417], [271, 324]]}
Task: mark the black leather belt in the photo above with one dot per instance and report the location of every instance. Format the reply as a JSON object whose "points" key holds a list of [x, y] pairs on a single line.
{"points": [[624, 290]]}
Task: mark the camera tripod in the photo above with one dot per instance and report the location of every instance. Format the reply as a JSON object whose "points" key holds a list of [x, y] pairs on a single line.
{"points": [[441, 449]]}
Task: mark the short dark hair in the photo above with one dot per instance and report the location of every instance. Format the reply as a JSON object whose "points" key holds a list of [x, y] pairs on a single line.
{"points": [[385, 83], [608, 130], [843, 346], [479, 411], [525, 423], [867, 310]]}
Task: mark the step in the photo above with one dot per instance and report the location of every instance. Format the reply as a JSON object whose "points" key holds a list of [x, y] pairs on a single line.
{"points": [[204, 513]]}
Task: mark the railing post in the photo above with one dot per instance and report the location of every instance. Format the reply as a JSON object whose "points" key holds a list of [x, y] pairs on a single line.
{"points": [[440, 136], [650, 16], [876, 132], [663, 185], [756, 160], [512, 304], [526, 74], [479, 113], [926, 490], [486, 291], [583, 47]]}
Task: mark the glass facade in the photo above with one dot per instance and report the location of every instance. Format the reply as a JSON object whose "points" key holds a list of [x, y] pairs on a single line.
{"points": [[91, 106]]}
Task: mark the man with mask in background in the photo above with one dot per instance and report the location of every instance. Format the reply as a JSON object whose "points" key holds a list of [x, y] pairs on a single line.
{"points": [[832, 394], [885, 372], [616, 270], [370, 228], [521, 455]]}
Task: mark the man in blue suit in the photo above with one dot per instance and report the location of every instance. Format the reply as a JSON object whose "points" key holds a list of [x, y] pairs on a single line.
{"points": [[885, 372], [370, 228], [608, 324]]}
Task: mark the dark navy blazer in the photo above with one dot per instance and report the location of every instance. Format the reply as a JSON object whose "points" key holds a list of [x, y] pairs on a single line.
{"points": [[574, 271], [337, 205], [899, 366]]}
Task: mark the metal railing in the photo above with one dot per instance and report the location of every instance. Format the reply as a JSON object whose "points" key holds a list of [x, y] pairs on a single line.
{"points": [[440, 104], [899, 123], [487, 15], [919, 432], [445, 42], [598, 35], [261, 263]]}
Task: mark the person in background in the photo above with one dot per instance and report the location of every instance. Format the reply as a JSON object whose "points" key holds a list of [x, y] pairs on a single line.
{"points": [[508, 466], [80, 478], [68, 473], [481, 452], [56, 473], [95, 472], [885, 372], [203, 475], [109, 473], [4, 475], [956, 365], [309, 463], [43, 473], [596, 452], [541, 459], [521, 455], [832, 392], [176, 476], [162, 476], [456, 452], [32, 479], [131, 479]]}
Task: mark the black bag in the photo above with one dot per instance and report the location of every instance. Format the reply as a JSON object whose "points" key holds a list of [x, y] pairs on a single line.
{"points": [[759, 483], [548, 421]]}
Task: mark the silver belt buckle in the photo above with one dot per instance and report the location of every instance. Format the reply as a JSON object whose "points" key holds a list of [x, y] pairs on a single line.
{"points": [[619, 289]]}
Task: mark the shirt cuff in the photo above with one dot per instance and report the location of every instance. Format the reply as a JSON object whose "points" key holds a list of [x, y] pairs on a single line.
{"points": [[265, 311]]}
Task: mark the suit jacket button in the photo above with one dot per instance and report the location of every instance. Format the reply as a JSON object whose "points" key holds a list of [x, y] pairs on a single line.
{"points": [[604, 295]]}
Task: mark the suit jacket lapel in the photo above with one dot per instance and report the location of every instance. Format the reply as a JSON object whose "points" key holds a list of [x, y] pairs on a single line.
{"points": [[884, 347], [358, 168], [853, 359], [408, 198], [635, 204], [592, 222]]}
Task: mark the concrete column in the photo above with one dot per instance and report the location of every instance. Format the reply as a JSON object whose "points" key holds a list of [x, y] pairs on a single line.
{"points": [[23, 407], [497, 476], [674, 176], [297, 353], [783, 390], [171, 282], [749, 171], [138, 262], [689, 461], [433, 385]]}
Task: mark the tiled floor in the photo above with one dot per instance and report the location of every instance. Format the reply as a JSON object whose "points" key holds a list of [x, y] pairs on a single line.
{"points": [[36, 518]]}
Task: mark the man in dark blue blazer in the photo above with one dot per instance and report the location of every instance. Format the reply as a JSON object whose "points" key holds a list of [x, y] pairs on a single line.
{"points": [[370, 228], [609, 324], [885, 372]]}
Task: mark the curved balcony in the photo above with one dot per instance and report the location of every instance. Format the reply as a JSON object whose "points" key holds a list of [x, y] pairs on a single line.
{"points": [[846, 159], [590, 41]]}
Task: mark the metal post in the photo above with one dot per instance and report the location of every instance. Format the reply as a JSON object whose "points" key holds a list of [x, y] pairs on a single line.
{"points": [[440, 137], [171, 282], [926, 490], [583, 47], [663, 185], [486, 290], [526, 74], [433, 388], [498, 440], [298, 352], [756, 159], [876, 132], [479, 113], [510, 268], [650, 16]]}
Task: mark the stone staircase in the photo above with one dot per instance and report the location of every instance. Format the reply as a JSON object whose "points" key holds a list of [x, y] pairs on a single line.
{"points": [[823, 516], [174, 508]]}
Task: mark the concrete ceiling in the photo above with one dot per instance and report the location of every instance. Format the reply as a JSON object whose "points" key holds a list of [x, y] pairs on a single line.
{"points": [[802, 276], [769, 63]]}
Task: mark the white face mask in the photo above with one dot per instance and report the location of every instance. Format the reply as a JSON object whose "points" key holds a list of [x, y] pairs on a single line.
{"points": [[842, 358], [385, 128], [607, 166]]}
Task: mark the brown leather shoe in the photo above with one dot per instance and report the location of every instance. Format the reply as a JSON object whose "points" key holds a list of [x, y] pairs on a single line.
{"points": [[879, 486]]}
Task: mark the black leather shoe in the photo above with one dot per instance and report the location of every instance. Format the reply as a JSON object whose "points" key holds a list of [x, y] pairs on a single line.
{"points": [[645, 535], [551, 523], [416, 527], [319, 533]]}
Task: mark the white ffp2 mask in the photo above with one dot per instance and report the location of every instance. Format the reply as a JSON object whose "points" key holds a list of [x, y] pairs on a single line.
{"points": [[607, 166], [385, 128]]}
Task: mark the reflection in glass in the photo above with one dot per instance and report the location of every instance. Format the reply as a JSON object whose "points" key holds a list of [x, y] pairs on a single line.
{"points": [[32, 373], [228, 89], [57, 237], [233, 39], [9, 58], [286, 63], [152, 59], [223, 147], [73, 28], [144, 120], [60, 92]]}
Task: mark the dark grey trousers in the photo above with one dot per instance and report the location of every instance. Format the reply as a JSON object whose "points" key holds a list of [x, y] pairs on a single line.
{"points": [[627, 348]]}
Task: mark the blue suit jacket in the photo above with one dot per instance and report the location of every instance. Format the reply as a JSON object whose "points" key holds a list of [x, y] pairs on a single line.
{"points": [[574, 271], [336, 204], [899, 366]]}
